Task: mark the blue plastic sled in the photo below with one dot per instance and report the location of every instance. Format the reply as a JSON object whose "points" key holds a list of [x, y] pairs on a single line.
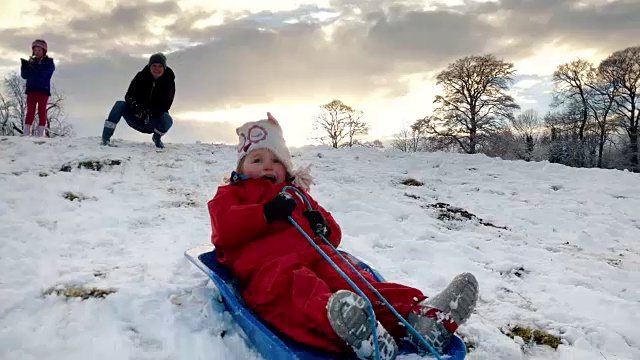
{"points": [[268, 341]]}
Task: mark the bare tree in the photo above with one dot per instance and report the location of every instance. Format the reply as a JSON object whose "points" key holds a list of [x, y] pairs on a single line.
{"points": [[16, 102], [6, 107], [409, 139], [369, 144], [338, 122], [622, 70], [475, 102], [16, 88], [572, 83], [406, 140], [602, 109], [526, 127], [426, 136], [419, 130], [565, 147], [56, 124], [503, 144], [355, 127], [401, 140]]}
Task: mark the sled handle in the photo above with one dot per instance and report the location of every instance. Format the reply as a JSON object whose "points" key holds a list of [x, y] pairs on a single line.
{"points": [[353, 285]]}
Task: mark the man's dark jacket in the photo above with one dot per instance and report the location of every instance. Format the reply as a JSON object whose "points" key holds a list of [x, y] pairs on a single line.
{"points": [[153, 95]]}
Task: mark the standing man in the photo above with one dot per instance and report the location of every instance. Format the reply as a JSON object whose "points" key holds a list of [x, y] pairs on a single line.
{"points": [[147, 102]]}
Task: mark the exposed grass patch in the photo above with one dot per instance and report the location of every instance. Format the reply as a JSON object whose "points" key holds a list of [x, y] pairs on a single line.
{"points": [[79, 292], [470, 345], [614, 262], [519, 272], [412, 182], [416, 197], [533, 336], [73, 196], [95, 165], [448, 212]]}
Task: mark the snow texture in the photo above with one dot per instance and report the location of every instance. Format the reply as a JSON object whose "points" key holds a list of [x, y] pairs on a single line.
{"points": [[554, 248]]}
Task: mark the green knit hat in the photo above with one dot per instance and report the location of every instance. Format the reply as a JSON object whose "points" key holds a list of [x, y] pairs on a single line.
{"points": [[158, 58]]}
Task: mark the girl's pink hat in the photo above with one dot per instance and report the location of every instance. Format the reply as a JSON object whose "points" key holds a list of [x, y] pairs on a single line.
{"points": [[39, 43]]}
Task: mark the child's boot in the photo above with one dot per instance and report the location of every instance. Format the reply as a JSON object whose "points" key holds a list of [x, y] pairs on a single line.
{"points": [[351, 321], [27, 130], [41, 130], [438, 317]]}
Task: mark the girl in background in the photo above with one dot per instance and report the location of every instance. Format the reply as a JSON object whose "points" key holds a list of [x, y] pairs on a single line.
{"points": [[37, 71]]}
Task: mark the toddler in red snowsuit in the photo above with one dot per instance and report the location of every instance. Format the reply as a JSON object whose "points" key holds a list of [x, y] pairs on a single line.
{"points": [[288, 283]]}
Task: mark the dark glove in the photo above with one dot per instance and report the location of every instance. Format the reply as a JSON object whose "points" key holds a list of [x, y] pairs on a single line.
{"points": [[145, 116], [24, 62], [279, 208], [135, 107], [318, 223], [139, 112]]}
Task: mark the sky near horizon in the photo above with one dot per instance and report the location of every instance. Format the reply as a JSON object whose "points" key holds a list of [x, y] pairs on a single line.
{"points": [[234, 61]]}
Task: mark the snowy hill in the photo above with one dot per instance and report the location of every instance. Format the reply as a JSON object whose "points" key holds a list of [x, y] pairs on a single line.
{"points": [[554, 248]]}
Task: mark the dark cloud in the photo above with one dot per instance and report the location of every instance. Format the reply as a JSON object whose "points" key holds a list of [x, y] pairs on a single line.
{"points": [[92, 86], [127, 28], [54, 10], [610, 26], [606, 26], [124, 20], [248, 64], [431, 37]]}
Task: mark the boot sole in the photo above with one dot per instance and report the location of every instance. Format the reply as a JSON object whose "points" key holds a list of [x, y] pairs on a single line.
{"points": [[350, 320]]}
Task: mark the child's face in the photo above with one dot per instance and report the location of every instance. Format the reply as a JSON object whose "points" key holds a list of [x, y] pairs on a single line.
{"points": [[38, 51], [263, 163]]}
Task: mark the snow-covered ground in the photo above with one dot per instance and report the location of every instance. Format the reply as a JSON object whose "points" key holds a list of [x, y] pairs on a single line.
{"points": [[567, 262]]}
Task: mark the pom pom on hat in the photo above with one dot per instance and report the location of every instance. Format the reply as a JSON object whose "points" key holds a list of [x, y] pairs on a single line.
{"points": [[267, 134], [302, 178]]}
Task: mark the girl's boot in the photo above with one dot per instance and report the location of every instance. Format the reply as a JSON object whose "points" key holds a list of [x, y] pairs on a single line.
{"points": [[438, 317], [351, 321]]}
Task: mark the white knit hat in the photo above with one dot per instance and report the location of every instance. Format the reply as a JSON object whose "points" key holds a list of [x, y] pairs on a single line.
{"points": [[267, 134]]}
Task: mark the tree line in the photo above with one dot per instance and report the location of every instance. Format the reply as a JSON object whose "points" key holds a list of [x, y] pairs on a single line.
{"points": [[592, 121]]}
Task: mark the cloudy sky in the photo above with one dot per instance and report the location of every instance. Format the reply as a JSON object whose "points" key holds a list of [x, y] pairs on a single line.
{"points": [[235, 60]]}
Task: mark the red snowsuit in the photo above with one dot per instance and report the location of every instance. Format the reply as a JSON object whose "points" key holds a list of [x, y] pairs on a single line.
{"points": [[281, 275]]}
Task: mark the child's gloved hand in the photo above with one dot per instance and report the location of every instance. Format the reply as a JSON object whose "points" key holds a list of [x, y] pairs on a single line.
{"points": [[279, 208], [318, 223]]}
